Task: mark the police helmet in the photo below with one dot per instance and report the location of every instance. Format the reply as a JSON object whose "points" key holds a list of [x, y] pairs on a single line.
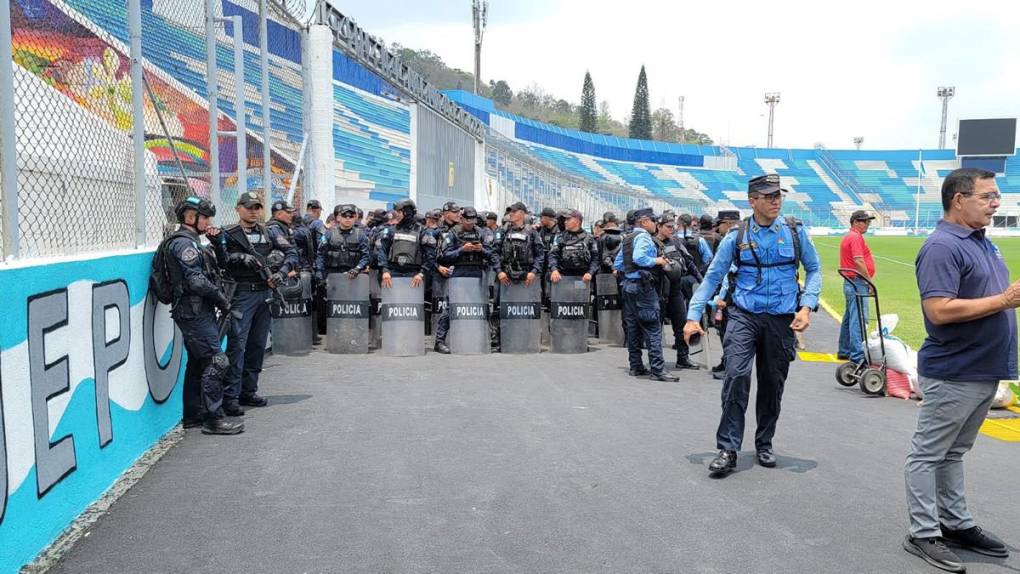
{"points": [[200, 204]]}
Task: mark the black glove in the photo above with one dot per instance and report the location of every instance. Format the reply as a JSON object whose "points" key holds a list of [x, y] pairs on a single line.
{"points": [[353, 273], [222, 304], [278, 278], [243, 259]]}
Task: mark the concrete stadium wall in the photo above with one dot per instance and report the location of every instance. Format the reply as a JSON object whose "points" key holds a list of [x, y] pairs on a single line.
{"points": [[89, 380]]}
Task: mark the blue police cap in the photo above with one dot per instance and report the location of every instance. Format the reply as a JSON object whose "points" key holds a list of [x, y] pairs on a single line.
{"points": [[644, 212], [767, 184]]}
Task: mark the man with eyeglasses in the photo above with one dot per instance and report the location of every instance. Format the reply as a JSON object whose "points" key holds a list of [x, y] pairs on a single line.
{"points": [[762, 256], [968, 304]]}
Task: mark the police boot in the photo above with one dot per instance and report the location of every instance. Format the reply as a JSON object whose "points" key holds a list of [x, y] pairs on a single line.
{"points": [[724, 463], [685, 363], [441, 348], [663, 377], [222, 426]]}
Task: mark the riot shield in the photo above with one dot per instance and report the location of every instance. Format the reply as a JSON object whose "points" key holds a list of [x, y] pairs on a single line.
{"points": [[520, 309], [610, 309], [348, 307], [546, 290], [375, 304], [308, 285], [402, 317], [438, 303], [568, 316], [292, 319], [469, 315]]}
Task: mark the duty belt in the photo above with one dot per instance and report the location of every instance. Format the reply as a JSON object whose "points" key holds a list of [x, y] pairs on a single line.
{"points": [[246, 286]]}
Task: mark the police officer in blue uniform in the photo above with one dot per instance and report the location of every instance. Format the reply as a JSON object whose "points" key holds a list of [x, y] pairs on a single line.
{"points": [[242, 251], [344, 248], [467, 255], [197, 296], [762, 255], [405, 249], [641, 261]]}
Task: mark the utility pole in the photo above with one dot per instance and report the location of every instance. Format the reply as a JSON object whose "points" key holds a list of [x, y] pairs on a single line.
{"points": [[944, 93], [771, 98], [858, 141], [479, 17], [680, 122]]}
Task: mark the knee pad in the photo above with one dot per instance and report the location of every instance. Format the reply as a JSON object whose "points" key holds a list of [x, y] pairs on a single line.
{"points": [[217, 366]]}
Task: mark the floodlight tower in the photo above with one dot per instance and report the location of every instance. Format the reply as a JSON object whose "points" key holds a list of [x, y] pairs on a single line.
{"points": [[771, 98], [680, 121], [479, 17], [858, 141], [944, 93]]}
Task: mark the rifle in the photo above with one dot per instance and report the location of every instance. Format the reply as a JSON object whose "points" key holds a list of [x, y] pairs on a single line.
{"points": [[262, 269], [228, 292]]}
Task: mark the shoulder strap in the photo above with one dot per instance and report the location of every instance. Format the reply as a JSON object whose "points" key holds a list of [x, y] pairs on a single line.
{"points": [[794, 225], [741, 228]]}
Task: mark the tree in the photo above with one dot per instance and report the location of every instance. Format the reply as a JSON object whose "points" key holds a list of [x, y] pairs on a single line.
{"points": [[640, 114], [696, 137], [589, 117], [501, 93], [664, 128]]}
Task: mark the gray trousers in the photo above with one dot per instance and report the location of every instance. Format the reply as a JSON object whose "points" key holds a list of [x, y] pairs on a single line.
{"points": [[947, 425]]}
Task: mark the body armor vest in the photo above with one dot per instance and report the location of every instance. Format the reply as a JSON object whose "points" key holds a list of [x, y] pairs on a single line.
{"points": [[691, 243], [574, 253], [517, 253], [260, 243], [405, 250], [628, 253], [469, 258], [344, 250]]}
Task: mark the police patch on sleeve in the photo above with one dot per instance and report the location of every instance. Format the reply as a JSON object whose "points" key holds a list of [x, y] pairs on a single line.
{"points": [[189, 255]]}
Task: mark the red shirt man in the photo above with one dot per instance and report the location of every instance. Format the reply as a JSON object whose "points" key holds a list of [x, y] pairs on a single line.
{"points": [[853, 250]]}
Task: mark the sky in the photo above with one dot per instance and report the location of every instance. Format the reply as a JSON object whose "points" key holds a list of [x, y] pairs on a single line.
{"points": [[847, 69]]}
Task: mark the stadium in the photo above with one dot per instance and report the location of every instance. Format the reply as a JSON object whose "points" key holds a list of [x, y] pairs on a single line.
{"points": [[117, 110]]}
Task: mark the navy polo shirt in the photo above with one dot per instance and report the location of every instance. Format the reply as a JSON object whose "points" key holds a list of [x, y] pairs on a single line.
{"points": [[961, 263]]}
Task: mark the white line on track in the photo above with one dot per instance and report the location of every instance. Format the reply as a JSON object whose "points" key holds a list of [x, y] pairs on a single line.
{"points": [[889, 259]]}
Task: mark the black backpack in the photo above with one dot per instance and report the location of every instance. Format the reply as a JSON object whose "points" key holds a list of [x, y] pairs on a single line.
{"points": [[161, 279]]}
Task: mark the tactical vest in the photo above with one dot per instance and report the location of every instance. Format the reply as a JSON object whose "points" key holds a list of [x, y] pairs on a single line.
{"points": [[468, 258], [676, 251], [344, 249], [405, 249], [609, 245], [739, 247], [692, 244], [255, 242], [517, 253], [628, 253], [574, 252], [547, 236]]}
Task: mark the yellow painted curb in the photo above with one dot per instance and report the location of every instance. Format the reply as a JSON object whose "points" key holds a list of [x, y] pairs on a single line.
{"points": [[818, 357], [1003, 429]]}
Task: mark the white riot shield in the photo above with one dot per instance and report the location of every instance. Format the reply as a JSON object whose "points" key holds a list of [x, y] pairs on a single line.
{"points": [[402, 317], [347, 312], [469, 315]]}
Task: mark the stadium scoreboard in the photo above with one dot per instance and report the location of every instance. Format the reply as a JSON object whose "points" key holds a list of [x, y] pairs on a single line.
{"points": [[986, 138]]}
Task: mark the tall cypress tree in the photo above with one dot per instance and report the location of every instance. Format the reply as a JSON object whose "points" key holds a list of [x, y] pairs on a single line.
{"points": [[589, 115], [641, 113]]}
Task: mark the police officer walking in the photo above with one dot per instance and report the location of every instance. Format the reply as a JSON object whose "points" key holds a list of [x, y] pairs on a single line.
{"points": [[242, 250], [405, 249], [574, 252], [681, 265], [344, 249], [767, 307], [641, 261], [197, 295], [520, 254], [467, 255]]}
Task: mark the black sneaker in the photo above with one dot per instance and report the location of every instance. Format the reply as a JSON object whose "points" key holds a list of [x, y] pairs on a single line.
{"points": [[233, 410], [686, 364], [638, 372], [441, 348], [253, 400], [975, 540], [663, 377], [767, 458], [191, 423], [724, 463], [721, 367], [933, 551], [221, 426]]}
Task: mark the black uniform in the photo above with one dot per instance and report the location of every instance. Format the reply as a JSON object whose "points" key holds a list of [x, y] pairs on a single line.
{"points": [[464, 263], [342, 251], [609, 243], [574, 253], [197, 295], [674, 291], [518, 251], [406, 250]]}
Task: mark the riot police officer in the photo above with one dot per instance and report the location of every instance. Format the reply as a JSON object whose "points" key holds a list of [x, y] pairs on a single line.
{"points": [[467, 255], [694, 242], [681, 264], [242, 250], [197, 295], [573, 252], [492, 221], [450, 217], [344, 249], [609, 242], [519, 256], [767, 307], [405, 249], [640, 260]]}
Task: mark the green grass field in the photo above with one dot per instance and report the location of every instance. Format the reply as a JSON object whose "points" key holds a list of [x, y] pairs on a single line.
{"points": [[897, 286]]}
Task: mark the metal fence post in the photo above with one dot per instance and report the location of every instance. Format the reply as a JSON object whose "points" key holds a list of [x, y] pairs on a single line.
{"points": [[213, 95], [138, 119], [8, 159], [267, 102], [241, 127]]}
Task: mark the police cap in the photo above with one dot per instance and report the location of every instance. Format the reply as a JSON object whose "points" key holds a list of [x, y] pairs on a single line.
{"points": [[249, 199], [548, 212], [517, 206], [491, 215], [313, 204], [573, 213], [727, 215], [468, 212], [345, 208], [643, 212], [433, 214], [665, 219], [451, 206], [767, 184], [281, 205]]}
